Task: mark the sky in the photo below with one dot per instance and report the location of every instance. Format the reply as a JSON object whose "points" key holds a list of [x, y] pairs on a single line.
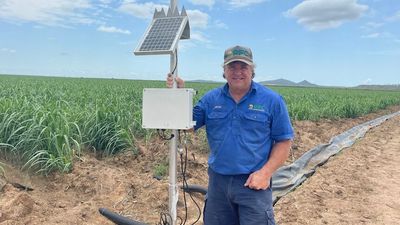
{"points": [[326, 42]]}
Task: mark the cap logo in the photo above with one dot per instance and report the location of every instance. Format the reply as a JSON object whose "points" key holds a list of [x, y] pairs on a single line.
{"points": [[238, 53]]}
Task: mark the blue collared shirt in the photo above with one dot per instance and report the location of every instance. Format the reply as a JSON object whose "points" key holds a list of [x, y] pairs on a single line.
{"points": [[241, 135]]}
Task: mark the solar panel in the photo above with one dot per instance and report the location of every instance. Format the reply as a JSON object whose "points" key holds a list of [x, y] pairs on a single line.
{"points": [[162, 35]]}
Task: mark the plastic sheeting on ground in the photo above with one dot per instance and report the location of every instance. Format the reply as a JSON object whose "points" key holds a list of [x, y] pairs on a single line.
{"points": [[287, 178]]}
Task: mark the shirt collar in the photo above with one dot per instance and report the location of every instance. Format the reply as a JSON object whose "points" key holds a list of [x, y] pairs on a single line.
{"points": [[253, 88]]}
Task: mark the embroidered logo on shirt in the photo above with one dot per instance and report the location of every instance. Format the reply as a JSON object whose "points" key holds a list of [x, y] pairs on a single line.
{"points": [[218, 107], [256, 107]]}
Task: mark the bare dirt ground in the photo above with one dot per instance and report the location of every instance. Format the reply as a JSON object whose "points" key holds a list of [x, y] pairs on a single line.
{"points": [[359, 186]]}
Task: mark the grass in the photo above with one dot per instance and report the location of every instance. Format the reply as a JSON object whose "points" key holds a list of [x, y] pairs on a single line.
{"points": [[2, 172], [161, 169]]}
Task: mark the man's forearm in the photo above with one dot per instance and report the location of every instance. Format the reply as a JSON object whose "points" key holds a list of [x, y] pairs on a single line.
{"points": [[260, 179], [279, 154]]}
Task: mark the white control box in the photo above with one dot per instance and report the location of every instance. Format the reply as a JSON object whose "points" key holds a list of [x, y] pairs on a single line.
{"points": [[167, 108]]}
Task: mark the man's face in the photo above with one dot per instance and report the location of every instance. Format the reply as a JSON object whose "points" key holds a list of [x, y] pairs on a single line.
{"points": [[238, 75]]}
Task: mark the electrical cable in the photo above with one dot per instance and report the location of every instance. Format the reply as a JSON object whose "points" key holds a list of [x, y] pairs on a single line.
{"points": [[176, 63], [163, 136], [185, 184], [183, 171], [166, 217], [190, 194]]}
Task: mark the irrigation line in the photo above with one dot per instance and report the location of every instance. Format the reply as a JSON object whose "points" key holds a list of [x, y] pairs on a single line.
{"points": [[287, 178]]}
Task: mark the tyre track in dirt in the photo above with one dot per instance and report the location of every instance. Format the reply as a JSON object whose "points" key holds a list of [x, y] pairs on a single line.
{"points": [[361, 185]]}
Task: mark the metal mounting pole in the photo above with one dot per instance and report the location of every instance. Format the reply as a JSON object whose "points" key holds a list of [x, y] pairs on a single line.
{"points": [[173, 187], [173, 4]]}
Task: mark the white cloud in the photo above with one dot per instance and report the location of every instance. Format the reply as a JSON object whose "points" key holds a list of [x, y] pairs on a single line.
{"points": [[199, 36], [219, 24], [367, 81], [387, 35], [51, 13], [208, 3], [112, 30], [374, 25], [196, 39], [322, 14], [197, 19], [244, 3], [269, 39], [396, 17], [7, 50], [185, 45], [141, 10], [373, 35], [391, 52], [106, 1], [371, 27]]}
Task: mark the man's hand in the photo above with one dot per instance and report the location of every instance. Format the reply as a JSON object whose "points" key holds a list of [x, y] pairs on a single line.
{"points": [[179, 82], [258, 180]]}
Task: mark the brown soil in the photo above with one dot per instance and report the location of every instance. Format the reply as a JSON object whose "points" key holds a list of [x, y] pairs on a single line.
{"points": [[358, 186]]}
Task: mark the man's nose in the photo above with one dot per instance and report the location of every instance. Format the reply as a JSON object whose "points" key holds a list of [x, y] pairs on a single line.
{"points": [[237, 72]]}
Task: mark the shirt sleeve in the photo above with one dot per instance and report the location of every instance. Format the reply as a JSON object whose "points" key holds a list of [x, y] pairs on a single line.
{"points": [[199, 114], [281, 128]]}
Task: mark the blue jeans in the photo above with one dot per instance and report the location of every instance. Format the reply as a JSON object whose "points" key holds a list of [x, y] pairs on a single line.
{"points": [[229, 202]]}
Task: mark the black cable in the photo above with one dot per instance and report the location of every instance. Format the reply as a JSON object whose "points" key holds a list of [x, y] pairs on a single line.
{"points": [[185, 184], [190, 194], [162, 135], [176, 63], [164, 219], [180, 218], [183, 171]]}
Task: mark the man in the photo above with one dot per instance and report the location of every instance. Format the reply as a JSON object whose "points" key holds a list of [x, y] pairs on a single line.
{"points": [[249, 135]]}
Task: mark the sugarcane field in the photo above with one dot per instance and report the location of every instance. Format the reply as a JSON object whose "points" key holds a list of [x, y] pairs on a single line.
{"points": [[70, 146], [199, 112]]}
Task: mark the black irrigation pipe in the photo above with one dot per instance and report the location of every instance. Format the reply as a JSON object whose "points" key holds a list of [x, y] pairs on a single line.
{"points": [[118, 219], [195, 189], [122, 220]]}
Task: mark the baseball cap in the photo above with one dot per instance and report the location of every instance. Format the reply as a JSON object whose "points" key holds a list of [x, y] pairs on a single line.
{"points": [[238, 53]]}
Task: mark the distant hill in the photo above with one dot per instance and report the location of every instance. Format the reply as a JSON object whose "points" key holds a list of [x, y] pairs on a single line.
{"points": [[394, 87], [277, 82], [204, 81], [307, 84], [284, 82], [280, 82]]}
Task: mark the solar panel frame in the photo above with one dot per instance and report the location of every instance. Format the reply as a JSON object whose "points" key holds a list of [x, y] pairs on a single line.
{"points": [[162, 36]]}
